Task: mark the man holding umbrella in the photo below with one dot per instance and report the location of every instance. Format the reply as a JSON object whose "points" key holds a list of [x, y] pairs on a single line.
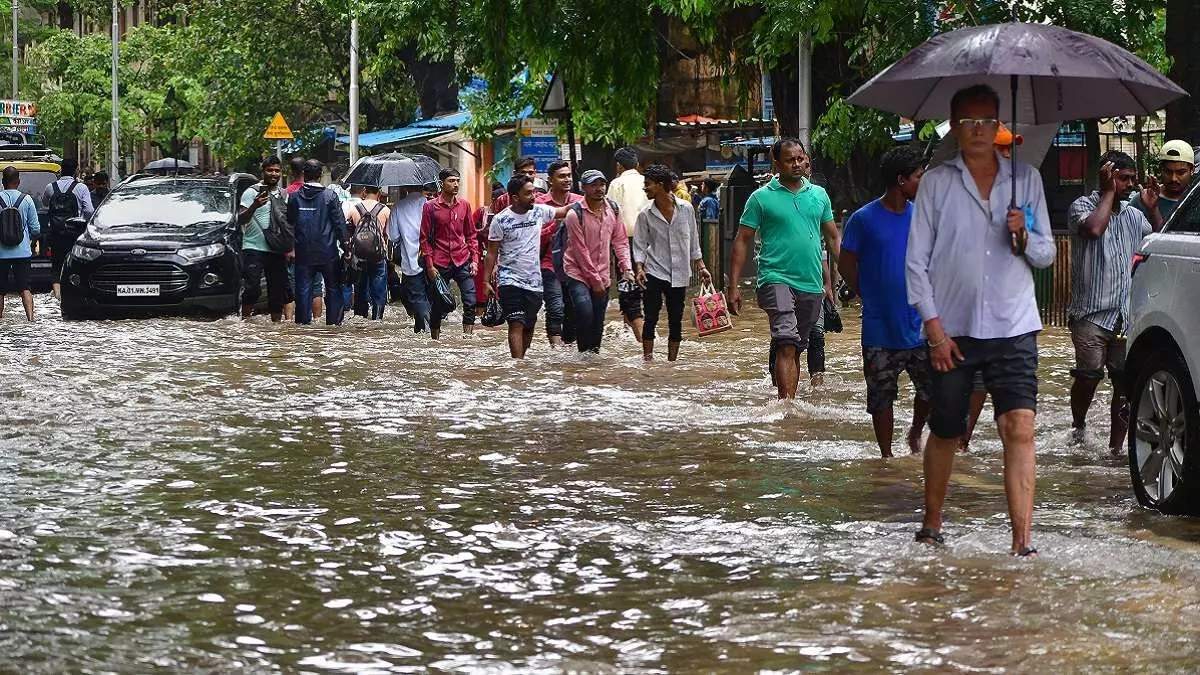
{"points": [[976, 299]]}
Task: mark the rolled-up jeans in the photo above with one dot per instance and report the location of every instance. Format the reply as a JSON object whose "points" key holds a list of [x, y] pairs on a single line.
{"points": [[372, 288], [305, 275], [552, 297], [587, 312]]}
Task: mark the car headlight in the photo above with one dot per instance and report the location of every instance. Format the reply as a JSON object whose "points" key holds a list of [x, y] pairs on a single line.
{"points": [[86, 253], [198, 253]]}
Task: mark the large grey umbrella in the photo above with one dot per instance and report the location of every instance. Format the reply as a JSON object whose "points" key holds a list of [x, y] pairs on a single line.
{"points": [[1043, 74], [1061, 75], [394, 169], [169, 165]]}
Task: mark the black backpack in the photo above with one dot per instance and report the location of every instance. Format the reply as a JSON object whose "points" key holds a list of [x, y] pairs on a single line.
{"points": [[368, 243], [279, 235], [62, 206], [12, 224]]}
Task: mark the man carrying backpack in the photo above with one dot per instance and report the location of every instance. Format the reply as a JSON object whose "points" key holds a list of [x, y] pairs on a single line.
{"points": [[591, 229], [450, 248], [259, 256], [18, 226], [368, 223], [66, 198], [315, 214]]}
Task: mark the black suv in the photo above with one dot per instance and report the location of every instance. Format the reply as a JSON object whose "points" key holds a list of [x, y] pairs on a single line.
{"points": [[159, 245]]}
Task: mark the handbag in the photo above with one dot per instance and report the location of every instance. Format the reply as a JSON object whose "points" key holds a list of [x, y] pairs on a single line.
{"points": [[439, 293], [833, 320], [710, 311], [494, 314]]}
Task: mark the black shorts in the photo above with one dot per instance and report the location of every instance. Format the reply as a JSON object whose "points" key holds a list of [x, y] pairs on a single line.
{"points": [[1009, 369], [14, 275], [520, 305]]}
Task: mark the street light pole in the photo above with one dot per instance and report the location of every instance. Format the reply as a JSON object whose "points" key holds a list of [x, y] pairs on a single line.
{"points": [[353, 91], [116, 120], [16, 53]]}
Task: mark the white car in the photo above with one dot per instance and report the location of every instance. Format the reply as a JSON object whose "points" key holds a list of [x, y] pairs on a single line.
{"points": [[1162, 364]]}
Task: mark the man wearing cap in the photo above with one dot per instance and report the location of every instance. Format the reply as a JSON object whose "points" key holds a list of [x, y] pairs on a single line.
{"points": [[1176, 160], [594, 228], [628, 190]]}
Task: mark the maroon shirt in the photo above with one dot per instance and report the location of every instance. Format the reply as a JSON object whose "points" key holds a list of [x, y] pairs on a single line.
{"points": [[453, 228]]}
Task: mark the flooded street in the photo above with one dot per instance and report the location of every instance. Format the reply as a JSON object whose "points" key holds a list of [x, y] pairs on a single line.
{"points": [[187, 496]]}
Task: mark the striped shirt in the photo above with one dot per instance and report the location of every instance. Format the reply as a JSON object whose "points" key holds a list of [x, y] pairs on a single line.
{"points": [[1101, 269]]}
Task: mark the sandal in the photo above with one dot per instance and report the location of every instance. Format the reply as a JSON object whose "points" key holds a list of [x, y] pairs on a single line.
{"points": [[930, 536], [1027, 552]]}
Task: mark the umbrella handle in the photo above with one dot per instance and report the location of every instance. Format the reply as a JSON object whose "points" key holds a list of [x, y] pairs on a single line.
{"points": [[1018, 242]]}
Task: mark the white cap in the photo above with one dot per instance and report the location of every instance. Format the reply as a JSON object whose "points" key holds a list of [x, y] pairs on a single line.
{"points": [[1177, 151]]}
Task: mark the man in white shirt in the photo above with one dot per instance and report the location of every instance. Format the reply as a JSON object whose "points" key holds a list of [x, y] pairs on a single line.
{"points": [[628, 190], [969, 276], [404, 232]]}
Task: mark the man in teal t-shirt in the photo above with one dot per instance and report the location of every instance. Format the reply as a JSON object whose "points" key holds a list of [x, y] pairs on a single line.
{"points": [[257, 257], [790, 216]]}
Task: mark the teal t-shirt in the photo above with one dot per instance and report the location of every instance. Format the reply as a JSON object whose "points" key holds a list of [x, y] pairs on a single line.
{"points": [[252, 233], [1166, 206], [789, 225]]}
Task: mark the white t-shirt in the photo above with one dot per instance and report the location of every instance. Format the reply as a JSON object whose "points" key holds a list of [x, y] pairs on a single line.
{"points": [[520, 237]]}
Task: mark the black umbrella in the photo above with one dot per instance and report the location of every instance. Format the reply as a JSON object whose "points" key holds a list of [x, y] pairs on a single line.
{"points": [[394, 169], [169, 165], [1055, 74]]}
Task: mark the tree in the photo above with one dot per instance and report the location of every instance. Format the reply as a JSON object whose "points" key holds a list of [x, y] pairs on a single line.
{"points": [[1182, 46]]}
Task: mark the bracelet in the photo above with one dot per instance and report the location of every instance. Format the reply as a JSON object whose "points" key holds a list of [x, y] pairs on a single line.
{"points": [[939, 344]]}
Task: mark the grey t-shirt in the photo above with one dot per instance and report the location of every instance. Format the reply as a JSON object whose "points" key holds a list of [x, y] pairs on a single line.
{"points": [[1166, 206], [520, 237]]}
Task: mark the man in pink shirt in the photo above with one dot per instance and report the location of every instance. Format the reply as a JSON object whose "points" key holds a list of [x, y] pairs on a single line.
{"points": [[593, 228], [553, 291], [449, 247]]}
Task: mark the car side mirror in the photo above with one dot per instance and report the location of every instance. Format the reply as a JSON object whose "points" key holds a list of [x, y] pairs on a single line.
{"points": [[76, 224]]}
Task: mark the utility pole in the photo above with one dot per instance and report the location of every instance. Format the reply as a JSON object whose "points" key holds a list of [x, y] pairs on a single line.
{"points": [[116, 119], [16, 52], [804, 121], [353, 91]]}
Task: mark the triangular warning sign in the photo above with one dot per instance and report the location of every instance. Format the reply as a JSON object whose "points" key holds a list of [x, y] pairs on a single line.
{"points": [[278, 129]]}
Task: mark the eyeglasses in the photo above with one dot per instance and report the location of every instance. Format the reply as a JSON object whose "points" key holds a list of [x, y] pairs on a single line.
{"points": [[977, 124]]}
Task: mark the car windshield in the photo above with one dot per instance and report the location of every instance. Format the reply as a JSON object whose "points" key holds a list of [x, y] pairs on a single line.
{"points": [[164, 204], [33, 183]]}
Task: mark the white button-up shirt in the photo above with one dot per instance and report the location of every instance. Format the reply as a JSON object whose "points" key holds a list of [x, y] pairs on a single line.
{"points": [[960, 267], [404, 230], [667, 249]]}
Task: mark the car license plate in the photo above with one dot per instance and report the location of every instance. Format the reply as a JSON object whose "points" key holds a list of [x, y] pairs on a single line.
{"points": [[137, 290]]}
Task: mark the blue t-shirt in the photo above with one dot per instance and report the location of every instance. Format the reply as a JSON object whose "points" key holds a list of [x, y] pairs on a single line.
{"points": [[880, 240]]}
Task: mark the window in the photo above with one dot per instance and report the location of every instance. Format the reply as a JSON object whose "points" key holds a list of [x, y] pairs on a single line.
{"points": [[1187, 215]]}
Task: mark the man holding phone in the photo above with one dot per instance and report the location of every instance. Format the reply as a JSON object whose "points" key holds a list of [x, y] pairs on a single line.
{"points": [[257, 257]]}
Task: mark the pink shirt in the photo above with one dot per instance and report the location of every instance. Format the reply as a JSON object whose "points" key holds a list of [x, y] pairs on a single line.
{"points": [[586, 256]]}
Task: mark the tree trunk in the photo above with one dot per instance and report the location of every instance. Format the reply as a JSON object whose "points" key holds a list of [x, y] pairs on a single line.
{"points": [[1183, 46], [1139, 144]]}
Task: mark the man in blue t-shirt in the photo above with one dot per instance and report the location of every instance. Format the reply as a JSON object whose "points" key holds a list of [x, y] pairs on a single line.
{"points": [[874, 245]]}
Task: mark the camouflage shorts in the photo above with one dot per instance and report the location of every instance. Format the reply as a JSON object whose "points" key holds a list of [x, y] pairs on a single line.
{"points": [[882, 368]]}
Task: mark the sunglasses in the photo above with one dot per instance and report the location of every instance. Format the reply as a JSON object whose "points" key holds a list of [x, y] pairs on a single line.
{"points": [[979, 124]]}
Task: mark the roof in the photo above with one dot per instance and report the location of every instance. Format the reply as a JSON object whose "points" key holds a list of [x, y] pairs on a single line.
{"points": [[765, 142], [420, 130], [701, 122]]}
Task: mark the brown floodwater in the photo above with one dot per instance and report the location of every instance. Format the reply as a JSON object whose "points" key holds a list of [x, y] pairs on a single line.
{"points": [[209, 497]]}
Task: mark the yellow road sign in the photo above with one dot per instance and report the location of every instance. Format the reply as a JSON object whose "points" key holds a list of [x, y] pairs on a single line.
{"points": [[278, 129]]}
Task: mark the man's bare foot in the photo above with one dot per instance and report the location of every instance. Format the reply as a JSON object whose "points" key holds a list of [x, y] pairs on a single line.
{"points": [[817, 379], [914, 442]]}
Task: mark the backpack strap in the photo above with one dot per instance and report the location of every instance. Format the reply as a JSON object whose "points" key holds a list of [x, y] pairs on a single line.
{"points": [[4, 203], [57, 190], [74, 184], [375, 211], [361, 211]]}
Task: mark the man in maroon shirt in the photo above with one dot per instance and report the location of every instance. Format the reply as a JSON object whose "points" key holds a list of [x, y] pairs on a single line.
{"points": [[558, 328], [449, 247], [525, 165], [297, 174]]}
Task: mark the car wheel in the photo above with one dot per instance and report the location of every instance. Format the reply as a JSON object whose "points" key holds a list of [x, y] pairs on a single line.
{"points": [[1163, 431]]}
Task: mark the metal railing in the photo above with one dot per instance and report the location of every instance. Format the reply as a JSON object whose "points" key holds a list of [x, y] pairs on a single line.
{"points": [[1053, 284]]}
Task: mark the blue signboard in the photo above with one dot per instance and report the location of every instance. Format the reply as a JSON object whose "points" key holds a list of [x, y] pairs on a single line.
{"points": [[543, 149]]}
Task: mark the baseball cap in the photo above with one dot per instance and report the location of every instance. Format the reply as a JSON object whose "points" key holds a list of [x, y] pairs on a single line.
{"points": [[1177, 151], [591, 176]]}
